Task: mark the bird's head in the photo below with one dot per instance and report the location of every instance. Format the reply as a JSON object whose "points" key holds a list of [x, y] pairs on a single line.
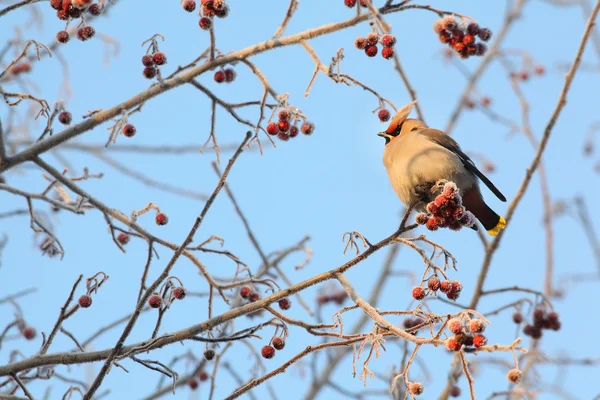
{"points": [[399, 128]]}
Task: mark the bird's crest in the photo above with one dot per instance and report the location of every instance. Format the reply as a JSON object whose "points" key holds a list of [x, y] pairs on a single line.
{"points": [[400, 117]]}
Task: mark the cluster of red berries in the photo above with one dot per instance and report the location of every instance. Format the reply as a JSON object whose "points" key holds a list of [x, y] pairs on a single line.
{"points": [[451, 289], [210, 9], [161, 219], [337, 297], [284, 130], [246, 292], [226, 75], [541, 320], [369, 44], [152, 62], [526, 73], [462, 39], [352, 3], [65, 117], [73, 9], [193, 382], [469, 334], [446, 211], [20, 68], [155, 301], [278, 343]]}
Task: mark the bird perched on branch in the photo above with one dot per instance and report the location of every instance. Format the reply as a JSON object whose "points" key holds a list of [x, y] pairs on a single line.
{"points": [[416, 157]]}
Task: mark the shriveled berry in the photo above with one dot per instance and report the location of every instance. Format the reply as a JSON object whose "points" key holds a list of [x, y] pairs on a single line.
{"points": [[278, 343], [129, 130], [415, 388], [148, 60], [245, 292], [455, 326], [387, 53], [179, 293], [268, 352], [65, 118], [371, 51], [388, 40], [384, 115], [294, 131], [360, 42], [421, 218], [283, 126], [95, 9], [161, 219], [307, 128], [433, 283], [484, 34], [473, 29], [62, 37], [229, 75], [193, 384], [477, 326], [159, 58], [155, 301], [205, 23], [150, 72], [452, 344], [272, 128], [479, 340], [29, 332], [85, 33], [85, 301], [449, 23], [514, 375], [350, 3], [284, 115], [209, 354], [189, 5], [285, 303], [372, 38], [219, 76], [418, 293], [253, 297]]}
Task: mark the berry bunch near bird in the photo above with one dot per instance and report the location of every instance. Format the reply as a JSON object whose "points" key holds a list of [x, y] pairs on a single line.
{"points": [[210, 9], [446, 211], [467, 332], [286, 126], [462, 37], [370, 42], [542, 319]]}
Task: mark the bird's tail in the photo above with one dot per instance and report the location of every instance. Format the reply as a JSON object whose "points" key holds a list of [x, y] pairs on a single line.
{"points": [[492, 222]]}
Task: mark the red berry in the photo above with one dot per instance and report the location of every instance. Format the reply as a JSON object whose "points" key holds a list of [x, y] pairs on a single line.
{"points": [[159, 58], [514, 375], [283, 126], [29, 333], [161, 219], [95, 9], [123, 238], [285, 303], [421, 218], [229, 75], [147, 60], [85, 33], [278, 343], [468, 39], [538, 315], [62, 37], [85, 301], [189, 5], [454, 391], [283, 136], [372, 38], [272, 128], [431, 224], [209, 354], [294, 131], [433, 283], [56, 4], [452, 344], [371, 51], [418, 293], [415, 388], [459, 47], [219, 76], [455, 326], [360, 42], [65, 118], [179, 293], [485, 34], [155, 301], [477, 326], [479, 340], [363, 3], [203, 376], [268, 352], [63, 15], [253, 297], [388, 40], [453, 295], [456, 286], [445, 37], [129, 130], [150, 72], [553, 316], [387, 53], [284, 115], [445, 286], [383, 114], [245, 292], [307, 128], [350, 3], [193, 384], [205, 23]]}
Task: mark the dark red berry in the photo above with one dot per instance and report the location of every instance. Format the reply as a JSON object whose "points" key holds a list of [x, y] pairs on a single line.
{"points": [[161, 219], [85, 301], [538, 315], [473, 29], [123, 238], [74, 13], [553, 316], [477, 326], [193, 384], [150, 72], [278, 343], [350, 3], [283, 136], [62, 37], [56, 4], [63, 15], [388, 40], [485, 34], [285, 303], [445, 37], [387, 53], [421, 218], [418, 293], [209, 354], [453, 344], [147, 60], [454, 391], [159, 58], [155, 301], [222, 12], [95, 9], [307, 128], [85, 33], [219, 76], [272, 128], [29, 333], [371, 51], [189, 5], [229, 75], [203, 376], [65, 118], [245, 292], [253, 297], [268, 352], [284, 115], [179, 293], [205, 23], [294, 131], [283, 125]]}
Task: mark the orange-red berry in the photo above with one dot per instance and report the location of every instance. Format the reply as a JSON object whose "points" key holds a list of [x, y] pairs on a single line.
{"points": [[452, 344], [159, 58], [268, 352], [307, 128], [245, 292], [415, 388], [147, 60], [272, 128], [477, 326], [161, 219], [350, 3], [387, 53], [479, 340], [514, 375], [85, 33], [283, 126], [418, 293], [371, 51], [189, 5], [388, 40], [433, 283]]}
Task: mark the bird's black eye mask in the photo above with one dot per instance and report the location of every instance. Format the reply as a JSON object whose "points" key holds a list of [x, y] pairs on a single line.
{"points": [[388, 136]]}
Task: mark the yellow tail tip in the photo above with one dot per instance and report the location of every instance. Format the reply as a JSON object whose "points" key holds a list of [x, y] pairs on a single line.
{"points": [[499, 226]]}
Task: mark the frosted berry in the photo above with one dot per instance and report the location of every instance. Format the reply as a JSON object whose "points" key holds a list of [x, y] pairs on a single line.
{"points": [[371, 51], [307, 128], [455, 326], [193, 384], [161, 219], [415, 388], [294, 131], [284, 115], [452, 344], [95, 9], [229, 75], [438, 27], [85, 301], [388, 40], [383, 114], [155, 301], [85, 33], [253, 297], [179, 293], [209, 354], [485, 34], [245, 292], [189, 5], [285, 303], [205, 23], [350, 3], [219, 76], [129, 130], [62, 37], [479, 340], [387, 53], [29, 333], [449, 23], [418, 293], [431, 224], [283, 126], [65, 118], [360, 42], [421, 218], [477, 326], [372, 38], [159, 58], [434, 283], [514, 375], [278, 343], [268, 352], [283, 136], [150, 72], [63, 15], [123, 238], [147, 60], [272, 128], [454, 391]]}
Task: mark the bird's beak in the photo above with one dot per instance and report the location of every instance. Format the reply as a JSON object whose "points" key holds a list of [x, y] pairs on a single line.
{"points": [[383, 135]]}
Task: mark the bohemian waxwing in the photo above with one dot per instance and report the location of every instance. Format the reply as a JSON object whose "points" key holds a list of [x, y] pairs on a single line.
{"points": [[416, 157]]}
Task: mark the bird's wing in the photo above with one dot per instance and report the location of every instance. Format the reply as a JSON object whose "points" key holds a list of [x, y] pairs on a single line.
{"points": [[448, 143]]}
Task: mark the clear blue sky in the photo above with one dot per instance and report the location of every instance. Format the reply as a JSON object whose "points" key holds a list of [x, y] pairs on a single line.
{"points": [[322, 185]]}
